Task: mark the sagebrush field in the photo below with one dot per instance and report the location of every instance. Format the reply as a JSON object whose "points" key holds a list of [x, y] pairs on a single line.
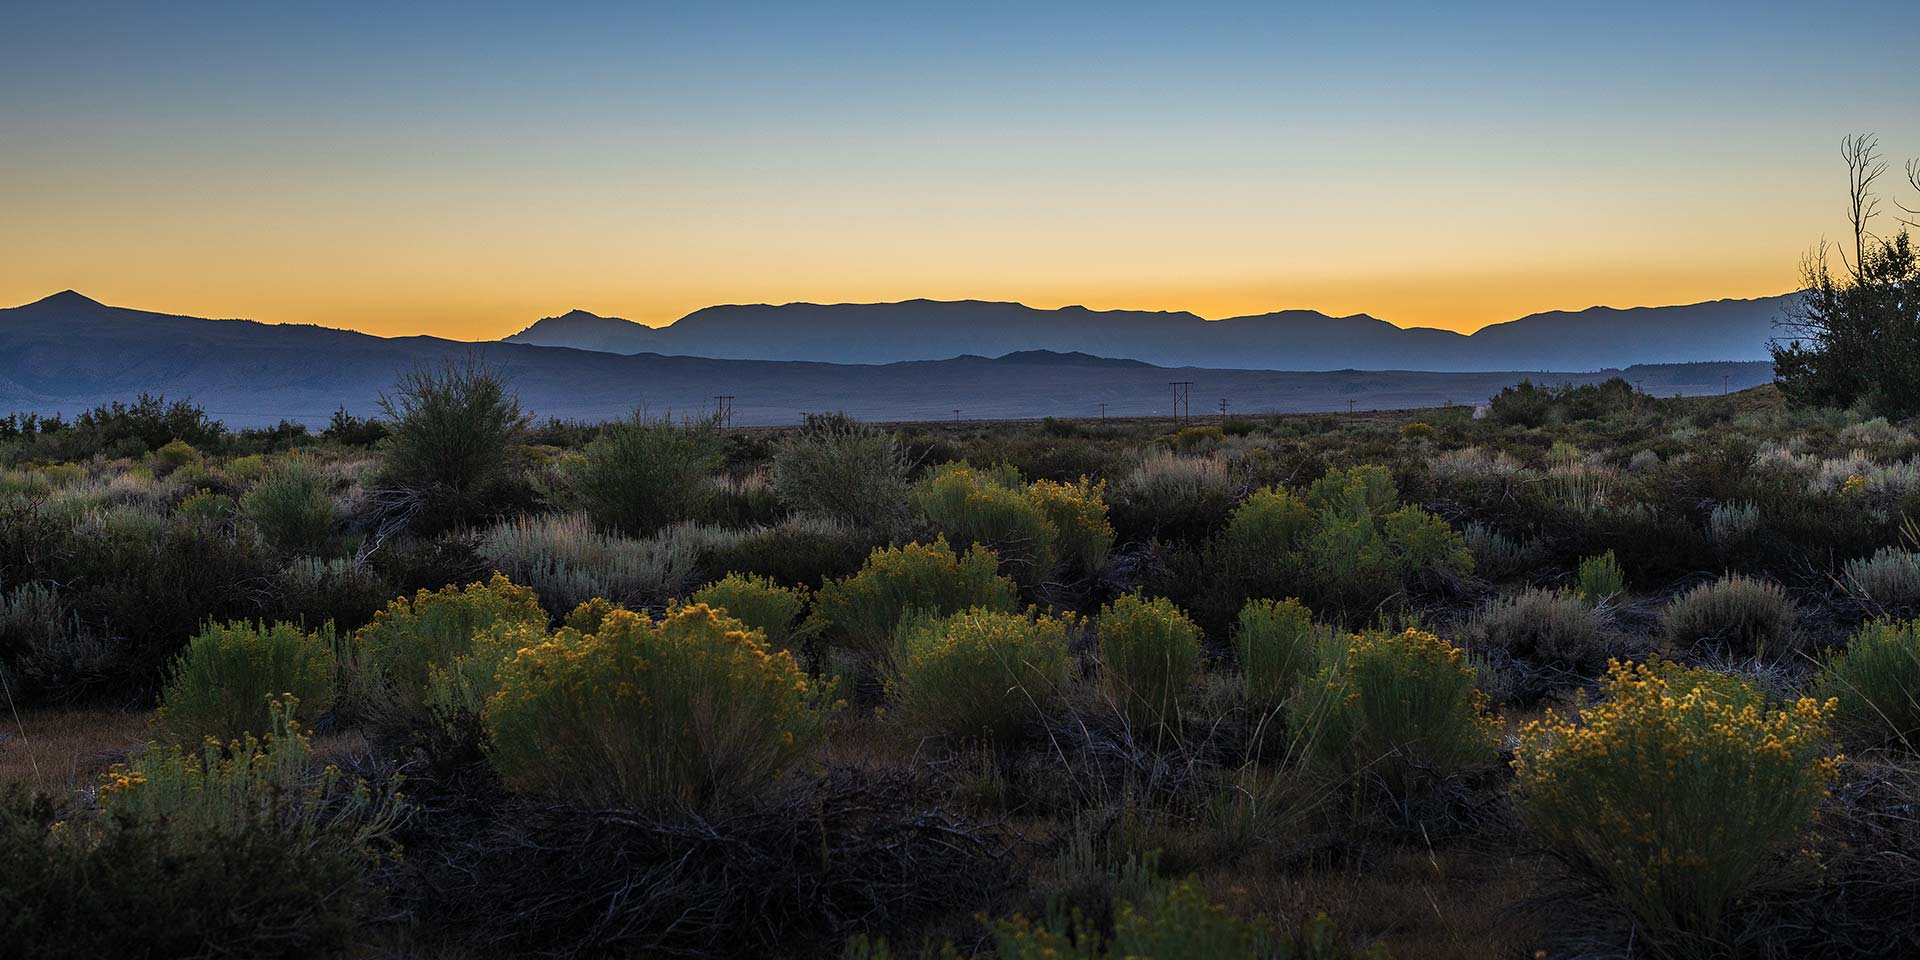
{"points": [[1581, 673]]}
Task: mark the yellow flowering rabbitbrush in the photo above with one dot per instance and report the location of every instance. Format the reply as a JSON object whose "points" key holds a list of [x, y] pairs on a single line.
{"points": [[400, 653], [1397, 705], [1149, 651], [1676, 788], [979, 671], [685, 713]]}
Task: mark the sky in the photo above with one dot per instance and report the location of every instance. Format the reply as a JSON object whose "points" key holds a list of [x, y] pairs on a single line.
{"points": [[461, 170]]}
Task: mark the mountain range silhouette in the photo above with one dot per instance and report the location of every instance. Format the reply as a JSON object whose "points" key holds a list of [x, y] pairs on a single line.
{"points": [[1284, 340], [68, 352]]}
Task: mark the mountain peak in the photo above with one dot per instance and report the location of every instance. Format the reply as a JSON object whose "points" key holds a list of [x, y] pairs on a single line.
{"points": [[67, 299]]}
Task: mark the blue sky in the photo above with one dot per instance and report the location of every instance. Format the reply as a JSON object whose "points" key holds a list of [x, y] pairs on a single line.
{"points": [[463, 169]]}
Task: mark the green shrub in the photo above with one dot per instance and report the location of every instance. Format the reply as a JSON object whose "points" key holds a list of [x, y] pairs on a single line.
{"points": [[239, 851], [1083, 536], [399, 652], [1347, 545], [1745, 616], [1674, 790], [843, 471], [1399, 705], [173, 455], [220, 686], [247, 469], [976, 508], [757, 602], [1149, 650], [1875, 682], [455, 445], [1170, 921], [1271, 521], [292, 507], [1422, 544], [1276, 641], [643, 474], [1366, 491], [689, 713], [1600, 578], [861, 611], [205, 506], [979, 671]]}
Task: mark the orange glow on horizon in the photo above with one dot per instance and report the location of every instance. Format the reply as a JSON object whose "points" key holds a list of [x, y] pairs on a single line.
{"points": [[1462, 303]]}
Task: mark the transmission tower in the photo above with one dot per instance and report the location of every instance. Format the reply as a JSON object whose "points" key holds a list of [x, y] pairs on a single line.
{"points": [[1182, 399]]}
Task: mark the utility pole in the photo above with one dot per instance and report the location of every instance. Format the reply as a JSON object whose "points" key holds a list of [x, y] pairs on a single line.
{"points": [[956, 414], [1349, 406], [1182, 399], [1725, 384], [1223, 409], [723, 409], [1103, 410]]}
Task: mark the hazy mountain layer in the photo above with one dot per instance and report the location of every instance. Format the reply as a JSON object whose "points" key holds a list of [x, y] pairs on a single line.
{"points": [[1288, 340], [68, 352]]}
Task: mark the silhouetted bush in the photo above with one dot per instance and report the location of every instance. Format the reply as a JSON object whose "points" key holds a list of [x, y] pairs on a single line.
{"points": [[643, 474], [292, 507], [457, 435], [841, 470]]}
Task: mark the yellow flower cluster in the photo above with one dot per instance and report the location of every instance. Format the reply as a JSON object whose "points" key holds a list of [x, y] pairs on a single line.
{"points": [[1854, 485], [682, 710], [1676, 786], [1401, 704]]}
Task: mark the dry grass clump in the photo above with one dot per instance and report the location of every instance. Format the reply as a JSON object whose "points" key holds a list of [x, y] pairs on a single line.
{"points": [[569, 561], [1552, 626], [1739, 614]]}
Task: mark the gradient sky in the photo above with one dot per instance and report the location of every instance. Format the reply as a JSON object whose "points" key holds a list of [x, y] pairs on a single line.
{"points": [[464, 169]]}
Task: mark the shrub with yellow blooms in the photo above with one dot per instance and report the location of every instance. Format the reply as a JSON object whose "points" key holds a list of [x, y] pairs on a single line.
{"points": [[979, 671], [1397, 705], [1149, 650], [1276, 641], [681, 714], [1675, 789], [397, 656], [1083, 536], [862, 611], [759, 603]]}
